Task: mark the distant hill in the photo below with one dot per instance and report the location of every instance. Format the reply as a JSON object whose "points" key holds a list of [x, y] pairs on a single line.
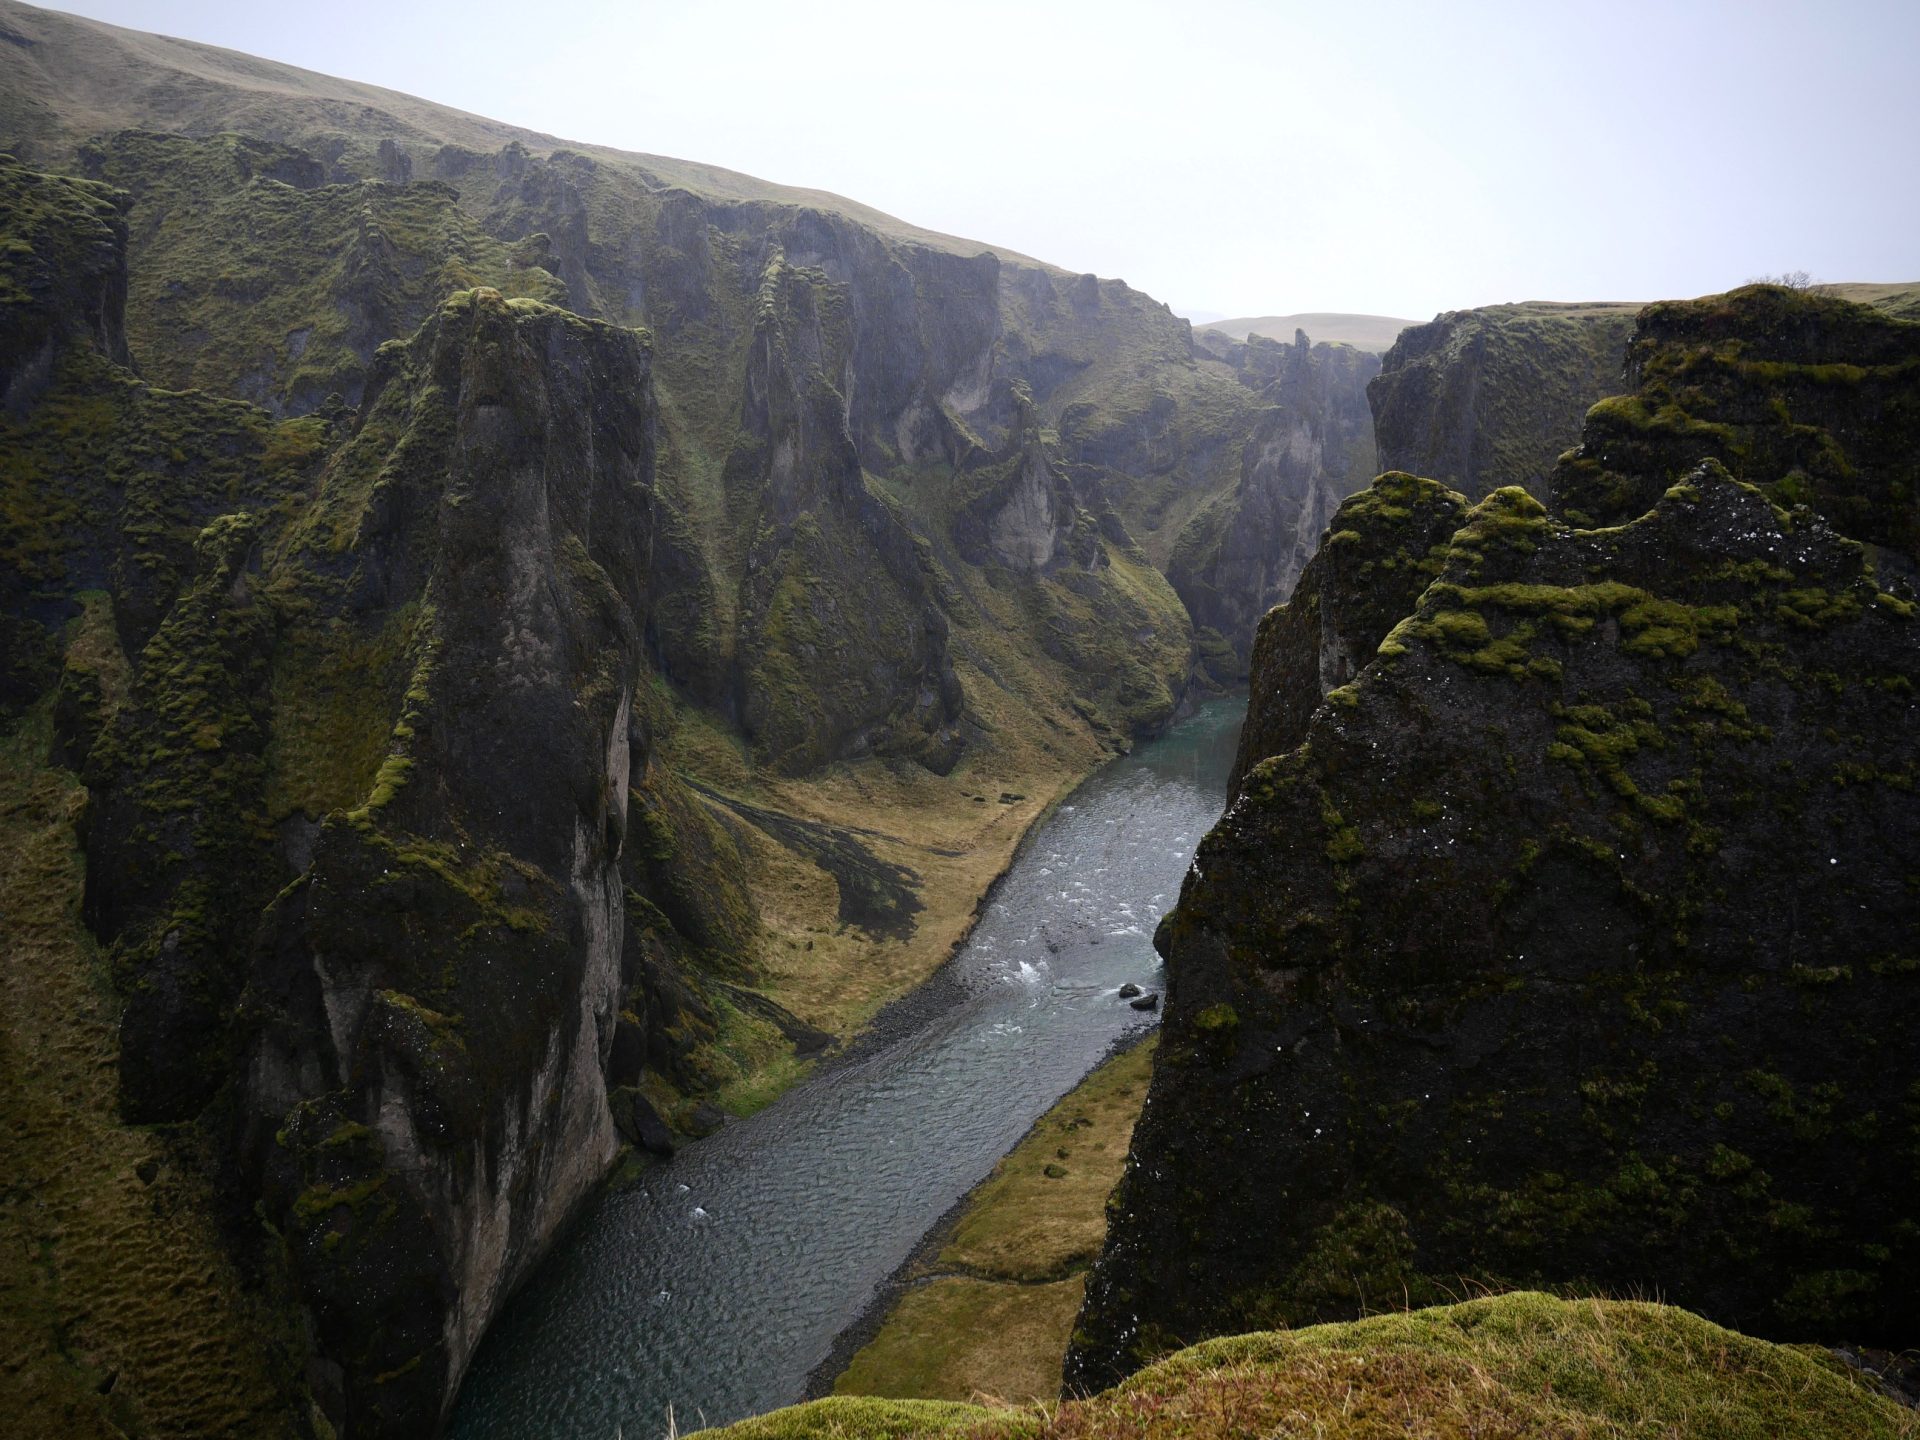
{"points": [[1363, 332], [68, 78], [1900, 299]]}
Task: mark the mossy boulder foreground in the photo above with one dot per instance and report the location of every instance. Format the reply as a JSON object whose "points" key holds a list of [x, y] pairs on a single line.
{"points": [[1572, 942], [1519, 1365]]}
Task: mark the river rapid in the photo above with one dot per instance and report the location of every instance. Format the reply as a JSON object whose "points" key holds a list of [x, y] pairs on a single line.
{"points": [[715, 1282]]}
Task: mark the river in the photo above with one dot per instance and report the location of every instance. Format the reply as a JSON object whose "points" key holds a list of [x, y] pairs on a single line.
{"points": [[717, 1281]]}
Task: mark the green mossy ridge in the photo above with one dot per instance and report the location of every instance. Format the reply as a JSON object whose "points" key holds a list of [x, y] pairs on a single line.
{"points": [[1806, 395], [1518, 1365], [280, 292]]}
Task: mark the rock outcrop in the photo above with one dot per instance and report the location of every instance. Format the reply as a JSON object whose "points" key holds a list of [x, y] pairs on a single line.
{"points": [[1381, 551], [1812, 398], [1310, 449], [392, 882], [63, 276], [1573, 941], [432, 1003], [1478, 399]]}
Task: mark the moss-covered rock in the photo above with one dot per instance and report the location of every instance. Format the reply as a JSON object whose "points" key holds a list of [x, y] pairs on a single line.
{"points": [[1572, 944], [1478, 399], [1812, 397], [1383, 547]]}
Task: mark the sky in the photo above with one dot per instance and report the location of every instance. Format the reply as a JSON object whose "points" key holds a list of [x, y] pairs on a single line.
{"points": [[1226, 156]]}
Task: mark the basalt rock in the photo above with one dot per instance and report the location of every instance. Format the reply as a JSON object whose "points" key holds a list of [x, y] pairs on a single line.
{"points": [[1811, 397], [840, 647], [1478, 399], [433, 1003], [1572, 943], [1382, 549], [377, 842]]}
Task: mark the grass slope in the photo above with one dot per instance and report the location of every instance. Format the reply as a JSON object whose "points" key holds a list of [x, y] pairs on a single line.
{"points": [[992, 1313], [64, 78], [1902, 301], [1519, 1365]]}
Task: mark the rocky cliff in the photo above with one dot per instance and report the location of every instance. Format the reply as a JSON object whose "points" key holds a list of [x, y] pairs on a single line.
{"points": [[1572, 940], [503, 700], [365, 705], [923, 341], [1382, 549], [1811, 397], [1311, 447], [1477, 399]]}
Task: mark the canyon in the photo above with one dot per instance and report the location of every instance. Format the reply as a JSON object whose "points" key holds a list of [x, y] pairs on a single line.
{"points": [[515, 654]]}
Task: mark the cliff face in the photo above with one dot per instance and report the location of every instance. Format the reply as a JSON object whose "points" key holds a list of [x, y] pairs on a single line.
{"points": [[433, 1001], [413, 920], [440, 656], [1813, 398], [1571, 942], [364, 705], [64, 277], [256, 278], [1310, 448], [1383, 548], [1477, 399]]}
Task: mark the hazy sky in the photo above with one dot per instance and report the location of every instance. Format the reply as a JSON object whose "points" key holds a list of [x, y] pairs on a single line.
{"points": [[1225, 156]]}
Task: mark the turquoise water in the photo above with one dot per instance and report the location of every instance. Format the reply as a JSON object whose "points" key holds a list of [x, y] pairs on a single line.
{"points": [[717, 1281]]}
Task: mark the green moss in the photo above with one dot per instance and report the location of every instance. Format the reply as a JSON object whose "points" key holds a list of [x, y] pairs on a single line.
{"points": [[249, 286], [1221, 1018], [1513, 1365]]}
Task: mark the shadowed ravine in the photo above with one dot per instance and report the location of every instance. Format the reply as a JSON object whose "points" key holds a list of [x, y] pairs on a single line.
{"points": [[719, 1280]]}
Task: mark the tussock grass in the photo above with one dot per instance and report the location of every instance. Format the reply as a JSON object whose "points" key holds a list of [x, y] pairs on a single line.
{"points": [[1523, 1366]]}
